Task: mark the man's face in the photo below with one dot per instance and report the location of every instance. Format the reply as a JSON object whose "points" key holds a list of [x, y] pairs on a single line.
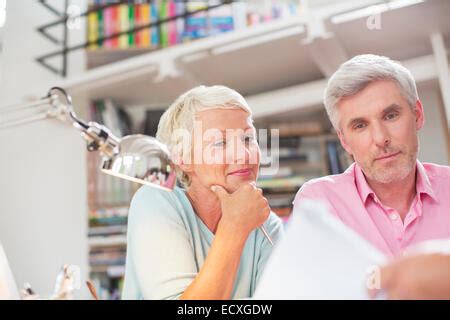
{"points": [[379, 129]]}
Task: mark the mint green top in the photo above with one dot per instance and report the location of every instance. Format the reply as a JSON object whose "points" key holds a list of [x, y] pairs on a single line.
{"points": [[168, 244]]}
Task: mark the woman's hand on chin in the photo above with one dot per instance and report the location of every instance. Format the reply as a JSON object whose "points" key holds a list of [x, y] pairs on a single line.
{"points": [[243, 210]]}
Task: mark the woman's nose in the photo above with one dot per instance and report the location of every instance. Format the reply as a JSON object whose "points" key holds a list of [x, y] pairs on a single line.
{"points": [[242, 153]]}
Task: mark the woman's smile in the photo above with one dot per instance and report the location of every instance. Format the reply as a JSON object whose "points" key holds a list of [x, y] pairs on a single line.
{"points": [[245, 172]]}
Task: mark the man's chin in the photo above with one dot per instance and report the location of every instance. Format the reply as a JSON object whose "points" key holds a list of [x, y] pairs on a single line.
{"points": [[389, 174]]}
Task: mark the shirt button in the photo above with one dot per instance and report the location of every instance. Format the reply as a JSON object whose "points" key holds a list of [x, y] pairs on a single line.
{"points": [[393, 216]]}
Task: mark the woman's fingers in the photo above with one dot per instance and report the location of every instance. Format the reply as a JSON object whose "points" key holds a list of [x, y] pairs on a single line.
{"points": [[220, 192]]}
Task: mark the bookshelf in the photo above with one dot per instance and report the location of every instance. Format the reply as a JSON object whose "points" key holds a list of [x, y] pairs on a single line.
{"points": [[167, 23], [108, 202]]}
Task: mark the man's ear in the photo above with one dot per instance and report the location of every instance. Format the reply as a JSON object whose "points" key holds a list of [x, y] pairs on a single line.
{"points": [[419, 114], [343, 142]]}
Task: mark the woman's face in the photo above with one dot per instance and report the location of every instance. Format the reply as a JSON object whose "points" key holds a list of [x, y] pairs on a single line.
{"points": [[225, 149]]}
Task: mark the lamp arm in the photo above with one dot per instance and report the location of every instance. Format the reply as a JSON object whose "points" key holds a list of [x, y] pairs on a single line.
{"points": [[97, 136]]}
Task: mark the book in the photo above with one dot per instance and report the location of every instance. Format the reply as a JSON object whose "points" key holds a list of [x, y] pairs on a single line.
{"points": [[131, 24], [163, 27], [108, 21], [92, 30], [220, 18], [142, 17], [197, 24], [124, 25], [115, 25], [171, 25], [154, 17], [180, 23], [101, 31], [137, 23]]}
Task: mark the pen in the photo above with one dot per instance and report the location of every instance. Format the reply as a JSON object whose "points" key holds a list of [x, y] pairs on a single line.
{"points": [[92, 289]]}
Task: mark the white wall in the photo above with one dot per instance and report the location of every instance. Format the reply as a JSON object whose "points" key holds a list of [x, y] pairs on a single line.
{"points": [[43, 207], [43, 220], [433, 136], [20, 74]]}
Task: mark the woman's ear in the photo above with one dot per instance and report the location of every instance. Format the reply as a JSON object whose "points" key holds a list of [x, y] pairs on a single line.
{"points": [[186, 167]]}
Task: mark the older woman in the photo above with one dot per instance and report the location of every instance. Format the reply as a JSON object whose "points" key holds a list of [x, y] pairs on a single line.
{"points": [[202, 241]]}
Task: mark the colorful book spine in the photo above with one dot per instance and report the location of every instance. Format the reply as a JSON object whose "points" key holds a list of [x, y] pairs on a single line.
{"points": [[137, 23], [115, 26], [124, 25], [131, 24], [220, 19], [101, 31], [142, 18], [92, 30], [163, 28], [126, 15], [180, 10], [108, 21], [154, 17], [172, 25], [197, 24]]}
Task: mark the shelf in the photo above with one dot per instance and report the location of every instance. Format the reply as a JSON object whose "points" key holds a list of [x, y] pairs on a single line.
{"points": [[162, 75], [102, 56], [108, 241], [112, 271], [107, 230]]}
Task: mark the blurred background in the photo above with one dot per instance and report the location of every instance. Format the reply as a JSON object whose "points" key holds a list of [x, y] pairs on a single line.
{"points": [[124, 63]]}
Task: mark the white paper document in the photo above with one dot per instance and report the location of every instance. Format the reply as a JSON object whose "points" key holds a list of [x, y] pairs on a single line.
{"points": [[8, 288], [319, 258]]}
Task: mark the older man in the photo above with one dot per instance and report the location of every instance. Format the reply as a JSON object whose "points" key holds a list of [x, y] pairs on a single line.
{"points": [[387, 196]]}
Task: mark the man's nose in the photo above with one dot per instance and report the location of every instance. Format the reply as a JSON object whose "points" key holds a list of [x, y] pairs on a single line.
{"points": [[380, 136]]}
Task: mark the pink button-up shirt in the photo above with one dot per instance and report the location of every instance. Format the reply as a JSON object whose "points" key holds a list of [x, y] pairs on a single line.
{"points": [[351, 199]]}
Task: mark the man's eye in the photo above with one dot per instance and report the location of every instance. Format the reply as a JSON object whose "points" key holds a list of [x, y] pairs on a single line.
{"points": [[359, 126], [391, 116]]}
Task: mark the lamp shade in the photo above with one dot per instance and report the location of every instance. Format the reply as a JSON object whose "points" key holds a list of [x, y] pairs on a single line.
{"points": [[142, 159]]}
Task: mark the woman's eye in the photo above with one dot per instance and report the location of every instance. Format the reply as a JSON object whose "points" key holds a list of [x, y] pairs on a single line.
{"points": [[219, 143]]}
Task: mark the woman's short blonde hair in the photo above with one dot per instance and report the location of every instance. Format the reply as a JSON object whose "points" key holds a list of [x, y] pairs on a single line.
{"points": [[180, 117]]}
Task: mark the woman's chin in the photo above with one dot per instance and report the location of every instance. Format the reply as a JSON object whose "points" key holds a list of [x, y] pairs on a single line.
{"points": [[237, 181]]}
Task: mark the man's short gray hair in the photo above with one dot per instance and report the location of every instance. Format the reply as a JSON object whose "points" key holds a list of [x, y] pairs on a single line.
{"points": [[358, 72]]}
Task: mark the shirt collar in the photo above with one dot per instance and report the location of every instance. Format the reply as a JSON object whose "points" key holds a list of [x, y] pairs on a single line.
{"points": [[362, 186], [423, 184]]}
